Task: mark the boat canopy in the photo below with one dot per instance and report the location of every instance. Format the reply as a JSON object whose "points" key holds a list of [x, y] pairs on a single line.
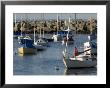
{"points": [[28, 43], [25, 41]]}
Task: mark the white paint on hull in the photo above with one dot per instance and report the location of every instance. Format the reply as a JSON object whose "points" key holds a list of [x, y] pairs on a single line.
{"points": [[78, 63]]}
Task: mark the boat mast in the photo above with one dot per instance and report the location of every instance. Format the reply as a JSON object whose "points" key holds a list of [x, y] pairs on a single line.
{"points": [[40, 32], [21, 27], [91, 29], [75, 21], [26, 23], [68, 31], [15, 19], [26, 27], [34, 32], [43, 25], [75, 16], [15, 22], [57, 23], [40, 27], [67, 37]]}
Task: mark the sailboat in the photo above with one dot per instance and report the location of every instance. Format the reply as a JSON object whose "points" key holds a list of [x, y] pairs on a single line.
{"points": [[57, 36], [70, 37], [92, 43], [41, 40], [61, 35], [81, 60], [37, 46]]}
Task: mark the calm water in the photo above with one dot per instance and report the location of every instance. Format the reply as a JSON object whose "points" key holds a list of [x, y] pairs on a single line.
{"points": [[45, 62]]}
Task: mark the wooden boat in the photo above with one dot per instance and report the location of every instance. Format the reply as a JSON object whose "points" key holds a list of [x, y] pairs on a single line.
{"points": [[27, 47], [25, 50]]}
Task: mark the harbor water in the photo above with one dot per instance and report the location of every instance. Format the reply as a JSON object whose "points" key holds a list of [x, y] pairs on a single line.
{"points": [[49, 61]]}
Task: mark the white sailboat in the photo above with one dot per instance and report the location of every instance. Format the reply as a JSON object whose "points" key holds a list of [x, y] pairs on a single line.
{"points": [[79, 61], [38, 46], [41, 40], [70, 37], [57, 37], [92, 43]]}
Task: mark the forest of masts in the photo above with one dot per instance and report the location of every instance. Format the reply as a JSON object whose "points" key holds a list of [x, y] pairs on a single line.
{"points": [[51, 26]]}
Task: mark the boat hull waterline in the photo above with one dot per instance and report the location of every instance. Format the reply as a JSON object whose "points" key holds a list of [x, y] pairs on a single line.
{"points": [[79, 64], [23, 50]]}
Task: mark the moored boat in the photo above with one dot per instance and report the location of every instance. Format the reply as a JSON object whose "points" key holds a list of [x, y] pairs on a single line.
{"points": [[61, 35], [23, 39], [25, 50], [80, 59], [27, 47], [39, 45], [41, 41], [87, 58]]}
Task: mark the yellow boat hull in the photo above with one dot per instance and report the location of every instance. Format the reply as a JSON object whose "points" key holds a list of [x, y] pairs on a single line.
{"points": [[23, 50]]}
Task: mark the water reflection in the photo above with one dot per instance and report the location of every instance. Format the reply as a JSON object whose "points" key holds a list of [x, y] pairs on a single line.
{"points": [[81, 71]]}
